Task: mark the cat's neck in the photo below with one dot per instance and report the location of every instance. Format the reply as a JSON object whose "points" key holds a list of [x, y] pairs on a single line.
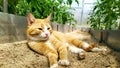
{"points": [[38, 40]]}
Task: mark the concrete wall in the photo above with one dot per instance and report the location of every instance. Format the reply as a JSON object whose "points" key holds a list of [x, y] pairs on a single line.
{"points": [[12, 28], [110, 37], [113, 39]]}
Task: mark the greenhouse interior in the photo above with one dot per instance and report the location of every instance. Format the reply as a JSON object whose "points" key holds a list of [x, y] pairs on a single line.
{"points": [[59, 34]]}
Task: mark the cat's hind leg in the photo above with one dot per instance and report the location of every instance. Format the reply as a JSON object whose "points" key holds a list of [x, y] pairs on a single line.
{"points": [[86, 46], [81, 44], [91, 47]]}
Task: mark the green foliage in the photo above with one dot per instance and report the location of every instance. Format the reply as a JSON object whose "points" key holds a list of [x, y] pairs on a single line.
{"points": [[1, 3], [42, 8], [105, 15], [12, 6]]}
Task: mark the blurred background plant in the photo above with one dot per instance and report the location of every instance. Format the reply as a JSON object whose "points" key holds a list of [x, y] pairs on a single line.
{"points": [[42, 8], [105, 15], [1, 5]]}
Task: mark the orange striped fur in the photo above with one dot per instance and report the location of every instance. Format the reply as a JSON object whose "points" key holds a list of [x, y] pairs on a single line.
{"points": [[53, 44]]}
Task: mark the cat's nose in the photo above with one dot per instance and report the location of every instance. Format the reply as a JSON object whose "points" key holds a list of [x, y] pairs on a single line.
{"points": [[46, 35]]}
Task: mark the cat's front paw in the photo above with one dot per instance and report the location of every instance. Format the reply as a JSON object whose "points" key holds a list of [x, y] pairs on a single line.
{"points": [[82, 55], [54, 66], [63, 62]]}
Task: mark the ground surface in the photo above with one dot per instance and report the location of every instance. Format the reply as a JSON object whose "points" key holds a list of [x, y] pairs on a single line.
{"points": [[18, 55]]}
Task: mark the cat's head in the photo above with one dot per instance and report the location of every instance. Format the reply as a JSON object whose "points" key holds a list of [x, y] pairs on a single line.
{"points": [[38, 29]]}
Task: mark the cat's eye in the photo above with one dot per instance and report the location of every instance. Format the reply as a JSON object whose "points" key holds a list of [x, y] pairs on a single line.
{"points": [[48, 28], [40, 28]]}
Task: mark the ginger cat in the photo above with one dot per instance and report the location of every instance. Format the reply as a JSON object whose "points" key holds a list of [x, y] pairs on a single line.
{"points": [[54, 44]]}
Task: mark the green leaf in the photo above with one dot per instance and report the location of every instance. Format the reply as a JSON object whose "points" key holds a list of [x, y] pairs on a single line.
{"points": [[104, 14], [77, 2]]}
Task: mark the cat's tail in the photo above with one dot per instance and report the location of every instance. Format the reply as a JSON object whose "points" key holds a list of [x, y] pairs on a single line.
{"points": [[91, 47]]}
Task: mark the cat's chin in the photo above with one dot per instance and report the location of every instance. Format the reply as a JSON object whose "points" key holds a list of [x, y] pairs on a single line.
{"points": [[44, 38]]}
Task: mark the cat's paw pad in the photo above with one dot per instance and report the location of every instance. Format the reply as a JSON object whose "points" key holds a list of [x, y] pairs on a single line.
{"points": [[54, 66], [63, 62]]}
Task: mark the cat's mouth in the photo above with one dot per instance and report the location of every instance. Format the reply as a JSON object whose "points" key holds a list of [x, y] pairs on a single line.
{"points": [[45, 38]]}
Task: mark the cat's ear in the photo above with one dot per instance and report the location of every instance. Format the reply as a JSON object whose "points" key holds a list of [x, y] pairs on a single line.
{"points": [[48, 18], [30, 18]]}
